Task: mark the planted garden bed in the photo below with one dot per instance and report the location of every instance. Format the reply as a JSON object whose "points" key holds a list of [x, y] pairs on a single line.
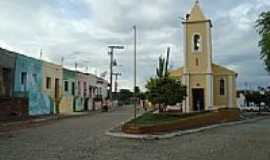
{"points": [[150, 123]]}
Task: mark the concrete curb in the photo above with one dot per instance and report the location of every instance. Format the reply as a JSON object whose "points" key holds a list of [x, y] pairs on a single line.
{"points": [[177, 133]]}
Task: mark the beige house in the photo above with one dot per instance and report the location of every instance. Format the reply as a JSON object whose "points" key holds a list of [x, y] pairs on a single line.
{"points": [[52, 84], [209, 86]]}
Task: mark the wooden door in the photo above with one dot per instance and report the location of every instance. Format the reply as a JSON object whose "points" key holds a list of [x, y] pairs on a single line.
{"points": [[198, 99]]}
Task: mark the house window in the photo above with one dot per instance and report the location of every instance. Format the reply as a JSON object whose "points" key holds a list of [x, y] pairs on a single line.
{"points": [[95, 91], [79, 88], [48, 82], [34, 77], [73, 88], [197, 62], [66, 86], [99, 90], [196, 42], [23, 78], [90, 92], [84, 89], [222, 87]]}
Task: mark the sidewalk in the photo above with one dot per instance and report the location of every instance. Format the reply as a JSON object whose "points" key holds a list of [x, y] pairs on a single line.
{"points": [[33, 121], [36, 121]]}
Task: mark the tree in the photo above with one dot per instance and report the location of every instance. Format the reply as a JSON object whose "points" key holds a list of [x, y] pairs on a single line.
{"points": [[262, 95], [165, 91], [139, 93], [267, 96], [162, 89], [142, 96], [162, 70], [253, 96], [124, 96], [263, 28], [258, 99], [137, 90]]}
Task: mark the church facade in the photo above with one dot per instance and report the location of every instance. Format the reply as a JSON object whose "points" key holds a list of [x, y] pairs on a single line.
{"points": [[209, 86]]}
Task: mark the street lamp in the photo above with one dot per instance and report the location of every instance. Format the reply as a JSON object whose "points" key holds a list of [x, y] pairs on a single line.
{"points": [[116, 47], [135, 70], [112, 47]]}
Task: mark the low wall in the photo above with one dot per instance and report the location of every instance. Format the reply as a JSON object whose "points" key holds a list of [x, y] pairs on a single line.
{"points": [[185, 123], [13, 108]]}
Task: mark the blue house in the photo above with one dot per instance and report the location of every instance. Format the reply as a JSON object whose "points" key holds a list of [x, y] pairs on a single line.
{"points": [[28, 83]]}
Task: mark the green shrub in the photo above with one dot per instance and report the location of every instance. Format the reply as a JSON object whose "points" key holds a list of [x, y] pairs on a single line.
{"points": [[150, 118]]}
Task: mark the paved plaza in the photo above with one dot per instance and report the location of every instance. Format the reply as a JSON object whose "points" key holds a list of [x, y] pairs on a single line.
{"points": [[84, 138]]}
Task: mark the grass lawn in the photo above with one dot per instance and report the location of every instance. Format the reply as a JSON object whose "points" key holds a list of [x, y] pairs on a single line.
{"points": [[166, 122], [150, 118]]}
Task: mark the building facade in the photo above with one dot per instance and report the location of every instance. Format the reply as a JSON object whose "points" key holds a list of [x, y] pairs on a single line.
{"points": [[68, 91], [92, 79], [102, 88], [52, 84], [209, 86], [28, 84], [46, 88], [7, 72], [81, 92]]}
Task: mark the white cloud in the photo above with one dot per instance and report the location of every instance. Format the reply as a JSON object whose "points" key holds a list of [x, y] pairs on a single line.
{"points": [[80, 30]]}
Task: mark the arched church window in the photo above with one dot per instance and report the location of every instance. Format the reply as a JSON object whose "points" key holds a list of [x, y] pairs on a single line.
{"points": [[222, 87], [196, 42]]}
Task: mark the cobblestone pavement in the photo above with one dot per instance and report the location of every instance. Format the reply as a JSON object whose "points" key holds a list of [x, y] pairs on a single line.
{"points": [[83, 138]]}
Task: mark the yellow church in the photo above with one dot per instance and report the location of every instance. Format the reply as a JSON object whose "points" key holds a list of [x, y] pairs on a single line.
{"points": [[209, 86]]}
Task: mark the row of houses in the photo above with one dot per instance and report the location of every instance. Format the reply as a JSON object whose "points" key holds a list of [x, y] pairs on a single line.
{"points": [[49, 88]]}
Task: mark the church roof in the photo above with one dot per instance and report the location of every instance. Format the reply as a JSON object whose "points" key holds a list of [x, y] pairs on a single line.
{"points": [[220, 70], [176, 72], [196, 13], [217, 70]]}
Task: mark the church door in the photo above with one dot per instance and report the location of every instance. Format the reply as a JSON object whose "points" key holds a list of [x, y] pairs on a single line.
{"points": [[198, 99]]}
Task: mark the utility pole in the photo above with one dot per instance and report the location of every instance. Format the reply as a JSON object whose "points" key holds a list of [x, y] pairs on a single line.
{"points": [[40, 54], [116, 79], [135, 70], [62, 61], [111, 66], [76, 66]]}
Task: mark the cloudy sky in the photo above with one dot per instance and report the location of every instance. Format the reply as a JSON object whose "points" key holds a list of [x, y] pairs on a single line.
{"points": [[81, 30]]}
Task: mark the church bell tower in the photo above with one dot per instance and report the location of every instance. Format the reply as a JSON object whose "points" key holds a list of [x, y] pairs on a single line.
{"points": [[198, 74], [198, 41]]}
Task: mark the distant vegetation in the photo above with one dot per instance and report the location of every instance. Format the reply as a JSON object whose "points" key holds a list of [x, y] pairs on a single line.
{"points": [[257, 97], [125, 96]]}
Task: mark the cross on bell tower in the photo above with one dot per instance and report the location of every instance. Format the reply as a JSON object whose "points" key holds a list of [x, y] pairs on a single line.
{"points": [[198, 41]]}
